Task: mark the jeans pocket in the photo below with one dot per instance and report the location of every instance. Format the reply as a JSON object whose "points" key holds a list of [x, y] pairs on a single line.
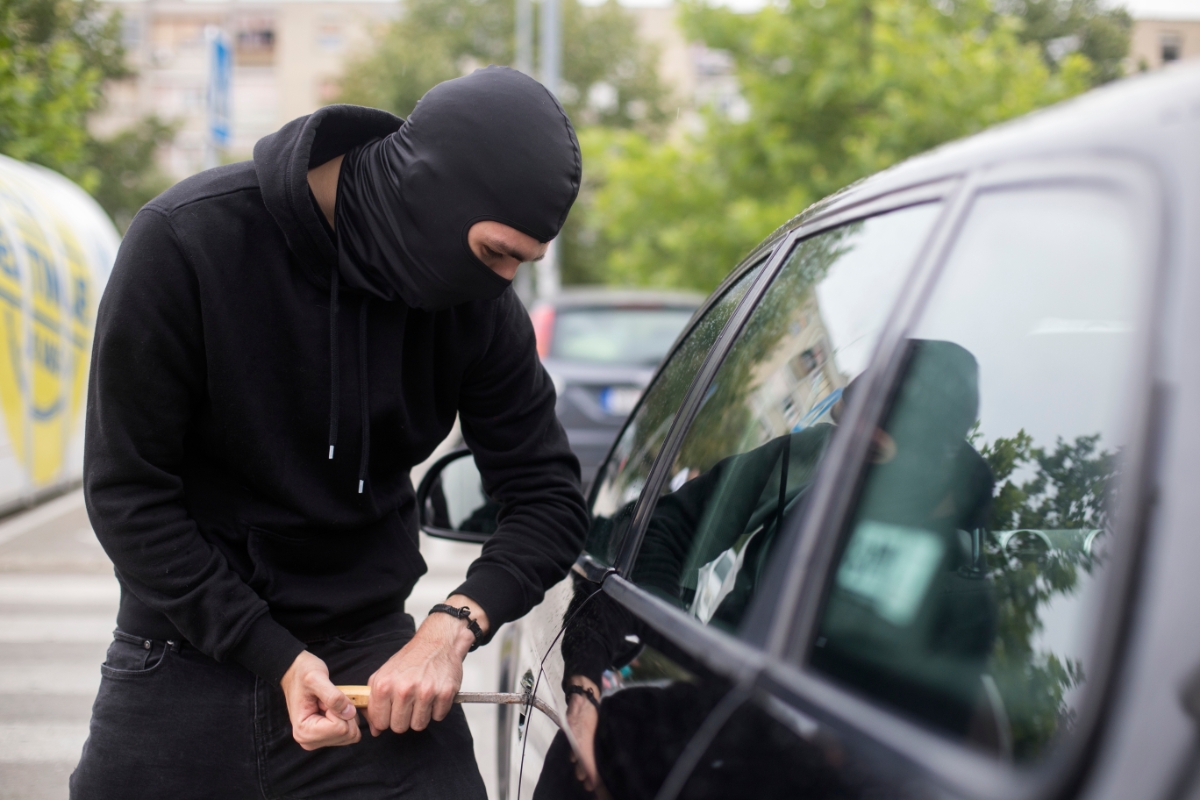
{"points": [[132, 656]]}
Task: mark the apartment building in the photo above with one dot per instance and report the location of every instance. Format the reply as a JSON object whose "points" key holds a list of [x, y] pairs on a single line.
{"points": [[1164, 31], [287, 57]]}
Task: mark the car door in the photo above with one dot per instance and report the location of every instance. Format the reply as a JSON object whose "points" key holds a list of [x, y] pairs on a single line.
{"points": [[528, 650], [957, 588], [679, 549]]}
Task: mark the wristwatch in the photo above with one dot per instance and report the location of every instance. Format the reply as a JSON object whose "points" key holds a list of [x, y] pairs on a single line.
{"points": [[461, 613]]}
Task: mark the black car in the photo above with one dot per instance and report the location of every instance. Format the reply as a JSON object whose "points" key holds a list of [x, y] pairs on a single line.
{"points": [[601, 347], [905, 513]]}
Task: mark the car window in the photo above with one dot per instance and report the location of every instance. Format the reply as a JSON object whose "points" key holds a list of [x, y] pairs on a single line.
{"points": [[755, 443], [620, 481], [631, 336], [965, 595]]}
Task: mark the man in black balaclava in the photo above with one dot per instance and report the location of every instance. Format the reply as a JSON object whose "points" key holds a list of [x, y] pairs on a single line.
{"points": [[280, 342]]}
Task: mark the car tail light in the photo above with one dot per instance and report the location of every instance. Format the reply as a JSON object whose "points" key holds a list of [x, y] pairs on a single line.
{"points": [[542, 318]]}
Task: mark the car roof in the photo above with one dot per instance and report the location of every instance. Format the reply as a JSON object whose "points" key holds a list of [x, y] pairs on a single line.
{"points": [[1143, 117], [591, 297]]}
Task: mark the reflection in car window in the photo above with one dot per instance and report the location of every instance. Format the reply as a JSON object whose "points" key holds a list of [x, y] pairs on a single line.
{"points": [[756, 441], [965, 595], [654, 697], [624, 474]]}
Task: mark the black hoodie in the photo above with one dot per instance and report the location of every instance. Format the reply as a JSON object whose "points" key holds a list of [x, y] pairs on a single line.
{"points": [[206, 473]]}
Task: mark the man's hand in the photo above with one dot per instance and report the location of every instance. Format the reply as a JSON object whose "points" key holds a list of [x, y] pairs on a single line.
{"points": [[583, 717], [418, 684], [321, 715]]}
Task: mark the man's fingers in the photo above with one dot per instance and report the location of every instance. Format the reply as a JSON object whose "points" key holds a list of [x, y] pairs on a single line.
{"points": [[330, 697], [422, 710], [379, 708], [442, 704], [402, 710], [325, 730]]}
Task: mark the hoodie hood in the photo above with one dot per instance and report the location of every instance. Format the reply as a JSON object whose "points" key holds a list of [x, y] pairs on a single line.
{"points": [[282, 161], [493, 145]]}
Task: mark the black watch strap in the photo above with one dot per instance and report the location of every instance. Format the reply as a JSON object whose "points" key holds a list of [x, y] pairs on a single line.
{"points": [[462, 613], [584, 691]]}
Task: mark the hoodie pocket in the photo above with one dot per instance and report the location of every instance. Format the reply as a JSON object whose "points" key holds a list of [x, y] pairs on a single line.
{"points": [[312, 580]]}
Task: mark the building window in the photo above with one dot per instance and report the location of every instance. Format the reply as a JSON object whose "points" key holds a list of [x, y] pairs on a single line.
{"points": [[255, 44], [1171, 44]]}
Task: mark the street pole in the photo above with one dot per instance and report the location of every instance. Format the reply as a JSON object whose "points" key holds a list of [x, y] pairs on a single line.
{"points": [[548, 279], [220, 75], [525, 36]]}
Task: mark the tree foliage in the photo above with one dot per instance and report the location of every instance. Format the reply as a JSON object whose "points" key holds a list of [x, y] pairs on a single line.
{"points": [[837, 91], [1067, 487], [1060, 27], [437, 40], [55, 56], [123, 173]]}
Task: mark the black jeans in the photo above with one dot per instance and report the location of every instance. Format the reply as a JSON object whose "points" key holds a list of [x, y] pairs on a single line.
{"points": [[170, 722]]}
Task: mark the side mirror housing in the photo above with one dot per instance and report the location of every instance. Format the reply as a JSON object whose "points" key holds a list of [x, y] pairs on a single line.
{"points": [[451, 503]]}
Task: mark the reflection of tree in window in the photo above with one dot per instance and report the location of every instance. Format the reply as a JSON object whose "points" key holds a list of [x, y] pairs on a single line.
{"points": [[625, 472], [1068, 491], [727, 412]]}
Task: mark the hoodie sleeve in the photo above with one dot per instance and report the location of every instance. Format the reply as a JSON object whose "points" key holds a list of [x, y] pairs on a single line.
{"points": [[146, 387], [508, 421]]}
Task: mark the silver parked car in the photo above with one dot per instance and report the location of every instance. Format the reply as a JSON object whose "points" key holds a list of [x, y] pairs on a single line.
{"points": [[601, 347], [907, 510]]}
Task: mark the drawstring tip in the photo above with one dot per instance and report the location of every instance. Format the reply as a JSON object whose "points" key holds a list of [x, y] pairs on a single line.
{"points": [[360, 487], [330, 452]]}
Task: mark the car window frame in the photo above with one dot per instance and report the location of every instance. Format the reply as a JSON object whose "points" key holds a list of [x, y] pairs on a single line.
{"points": [[720, 651], [786, 674], [587, 565], [824, 220]]}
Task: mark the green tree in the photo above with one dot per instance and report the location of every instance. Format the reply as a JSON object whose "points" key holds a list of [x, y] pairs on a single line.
{"points": [[836, 91], [437, 40], [1059, 27], [124, 172], [55, 56], [1068, 487]]}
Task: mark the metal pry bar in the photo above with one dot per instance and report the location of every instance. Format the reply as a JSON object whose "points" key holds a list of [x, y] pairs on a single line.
{"points": [[360, 696]]}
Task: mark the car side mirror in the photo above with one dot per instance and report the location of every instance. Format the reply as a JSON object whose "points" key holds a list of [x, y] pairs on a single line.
{"points": [[451, 502]]}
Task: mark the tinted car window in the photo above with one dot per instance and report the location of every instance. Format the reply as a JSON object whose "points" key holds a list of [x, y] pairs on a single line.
{"points": [[966, 592], [622, 477], [635, 336], [755, 443]]}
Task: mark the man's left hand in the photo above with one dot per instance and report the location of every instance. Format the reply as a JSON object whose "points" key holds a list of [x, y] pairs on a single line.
{"points": [[419, 683]]}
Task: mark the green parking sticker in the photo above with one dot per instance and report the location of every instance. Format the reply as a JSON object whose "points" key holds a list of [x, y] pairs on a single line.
{"points": [[890, 567]]}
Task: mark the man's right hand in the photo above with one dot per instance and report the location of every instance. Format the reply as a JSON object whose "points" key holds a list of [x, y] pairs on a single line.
{"points": [[321, 715]]}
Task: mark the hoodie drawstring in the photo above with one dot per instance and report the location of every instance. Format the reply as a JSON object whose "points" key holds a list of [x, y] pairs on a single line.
{"points": [[334, 406], [364, 387], [363, 397]]}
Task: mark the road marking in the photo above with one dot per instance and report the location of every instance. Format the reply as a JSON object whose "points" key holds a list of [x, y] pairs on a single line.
{"points": [[63, 678], [59, 590], [48, 512], [41, 742], [39, 628]]}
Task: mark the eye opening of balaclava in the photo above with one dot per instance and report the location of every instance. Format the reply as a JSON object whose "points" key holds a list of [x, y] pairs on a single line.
{"points": [[493, 145]]}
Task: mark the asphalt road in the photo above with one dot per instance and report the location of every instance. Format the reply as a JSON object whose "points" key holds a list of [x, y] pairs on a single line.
{"points": [[58, 602]]}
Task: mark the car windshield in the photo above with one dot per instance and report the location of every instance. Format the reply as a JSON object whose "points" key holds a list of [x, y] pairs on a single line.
{"points": [[635, 336]]}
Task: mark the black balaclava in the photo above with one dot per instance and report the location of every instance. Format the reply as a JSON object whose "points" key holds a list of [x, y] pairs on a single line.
{"points": [[494, 145]]}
